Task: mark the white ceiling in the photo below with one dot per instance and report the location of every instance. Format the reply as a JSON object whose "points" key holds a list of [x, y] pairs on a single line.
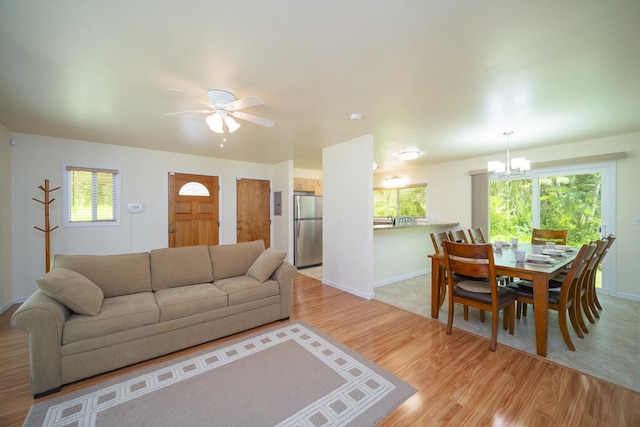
{"points": [[446, 77]]}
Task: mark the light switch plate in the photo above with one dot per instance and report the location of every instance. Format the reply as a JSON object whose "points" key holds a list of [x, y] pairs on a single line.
{"points": [[135, 207]]}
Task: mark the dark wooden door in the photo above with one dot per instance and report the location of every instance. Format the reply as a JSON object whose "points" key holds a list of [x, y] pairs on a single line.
{"points": [[253, 210], [193, 210]]}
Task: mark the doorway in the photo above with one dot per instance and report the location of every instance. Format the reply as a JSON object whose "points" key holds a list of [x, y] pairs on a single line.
{"points": [[193, 210], [253, 219]]}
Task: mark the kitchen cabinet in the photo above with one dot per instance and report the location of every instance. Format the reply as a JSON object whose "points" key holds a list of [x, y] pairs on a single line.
{"points": [[308, 185]]}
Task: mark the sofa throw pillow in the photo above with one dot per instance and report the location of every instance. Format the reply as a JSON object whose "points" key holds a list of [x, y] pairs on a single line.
{"points": [[264, 266], [72, 289]]}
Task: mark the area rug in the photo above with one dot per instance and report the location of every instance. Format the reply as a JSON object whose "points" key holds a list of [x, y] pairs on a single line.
{"points": [[291, 375]]}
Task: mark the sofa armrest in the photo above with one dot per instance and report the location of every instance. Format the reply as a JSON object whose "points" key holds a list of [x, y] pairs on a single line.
{"points": [[42, 317], [284, 276]]}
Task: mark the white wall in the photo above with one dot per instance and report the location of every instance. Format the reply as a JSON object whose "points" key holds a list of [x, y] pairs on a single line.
{"points": [[6, 282], [144, 179], [449, 195], [282, 229], [348, 199], [307, 173], [347, 234]]}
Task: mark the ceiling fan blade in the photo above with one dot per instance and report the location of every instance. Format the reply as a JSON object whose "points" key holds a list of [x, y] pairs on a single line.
{"points": [[249, 101], [253, 119], [177, 113], [195, 98]]}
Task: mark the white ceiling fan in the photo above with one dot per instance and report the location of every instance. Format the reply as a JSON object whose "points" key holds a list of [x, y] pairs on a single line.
{"points": [[221, 106]]}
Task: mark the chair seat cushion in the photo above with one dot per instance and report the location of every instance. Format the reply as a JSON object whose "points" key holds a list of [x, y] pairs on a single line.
{"points": [[475, 286], [524, 288], [504, 294]]}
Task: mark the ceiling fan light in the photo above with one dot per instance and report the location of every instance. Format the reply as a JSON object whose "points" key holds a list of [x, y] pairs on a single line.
{"points": [[214, 122], [232, 125], [408, 155]]}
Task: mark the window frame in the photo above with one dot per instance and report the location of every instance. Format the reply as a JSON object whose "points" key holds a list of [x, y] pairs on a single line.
{"points": [[403, 187], [66, 188]]}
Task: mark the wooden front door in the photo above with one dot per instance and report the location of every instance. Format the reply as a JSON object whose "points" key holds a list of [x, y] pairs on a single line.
{"points": [[253, 210], [193, 210]]}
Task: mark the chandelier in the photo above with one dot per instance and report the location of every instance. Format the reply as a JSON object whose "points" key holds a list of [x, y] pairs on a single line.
{"points": [[513, 167]]}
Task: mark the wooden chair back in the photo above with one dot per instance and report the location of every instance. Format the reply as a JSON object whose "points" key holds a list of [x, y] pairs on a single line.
{"points": [[458, 236], [582, 290], [567, 301], [437, 239], [477, 236], [592, 302], [471, 281], [540, 237], [470, 261], [579, 270]]}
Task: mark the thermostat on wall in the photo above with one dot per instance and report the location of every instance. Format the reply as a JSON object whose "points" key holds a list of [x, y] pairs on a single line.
{"points": [[135, 207]]}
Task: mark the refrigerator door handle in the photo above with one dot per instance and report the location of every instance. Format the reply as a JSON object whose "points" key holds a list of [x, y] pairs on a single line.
{"points": [[297, 228]]}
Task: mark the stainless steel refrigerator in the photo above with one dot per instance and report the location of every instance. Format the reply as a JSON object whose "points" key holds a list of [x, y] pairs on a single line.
{"points": [[307, 231]]}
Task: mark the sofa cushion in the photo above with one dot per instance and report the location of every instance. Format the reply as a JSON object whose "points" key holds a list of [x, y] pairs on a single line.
{"points": [[187, 265], [115, 274], [234, 260], [117, 314], [188, 300], [243, 289], [263, 267], [72, 289]]}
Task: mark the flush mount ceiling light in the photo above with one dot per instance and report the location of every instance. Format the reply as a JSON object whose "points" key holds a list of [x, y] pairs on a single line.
{"points": [[408, 155], [513, 167]]}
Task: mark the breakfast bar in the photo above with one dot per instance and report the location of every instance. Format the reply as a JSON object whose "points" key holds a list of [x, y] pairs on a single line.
{"points": [[399, 251]]}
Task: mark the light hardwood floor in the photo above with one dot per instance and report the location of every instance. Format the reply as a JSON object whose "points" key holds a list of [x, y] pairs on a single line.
{"points": [[459, 381], [610, 351]]}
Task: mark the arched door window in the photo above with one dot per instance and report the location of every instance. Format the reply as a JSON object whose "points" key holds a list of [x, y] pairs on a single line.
{"points": [[193, 189]]}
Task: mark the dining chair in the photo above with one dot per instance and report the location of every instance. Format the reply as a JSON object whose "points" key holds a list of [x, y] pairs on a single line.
{"points": [[458, 236], [564, 300], [476, 235], [474, 265], [582, 290], [541, 237], [437, 239], [593, 304]]}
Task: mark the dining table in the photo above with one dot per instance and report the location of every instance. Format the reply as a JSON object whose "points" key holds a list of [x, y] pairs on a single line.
{"points": [[539, 273]]}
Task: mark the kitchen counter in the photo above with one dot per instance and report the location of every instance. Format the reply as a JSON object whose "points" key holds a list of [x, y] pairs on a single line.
{"points": [[419, 225]]}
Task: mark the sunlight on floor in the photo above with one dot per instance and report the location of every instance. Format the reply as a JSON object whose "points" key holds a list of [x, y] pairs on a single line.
{"points": [[610, 351]]}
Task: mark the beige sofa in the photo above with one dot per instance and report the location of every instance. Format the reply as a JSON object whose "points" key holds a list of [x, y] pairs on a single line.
{"points": [[94, 314]]}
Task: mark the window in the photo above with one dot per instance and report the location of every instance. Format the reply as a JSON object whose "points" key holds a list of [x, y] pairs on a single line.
{"points": [[92, 196], [405, 201], [569, 201], [579, 198], [193, 189]]}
